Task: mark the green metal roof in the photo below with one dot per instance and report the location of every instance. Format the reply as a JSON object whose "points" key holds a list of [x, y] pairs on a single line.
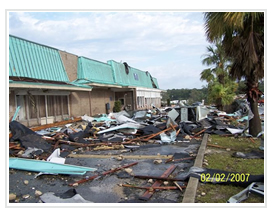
{"points": [[94, 71], [42, 85], [32, 60], [134, 77]]}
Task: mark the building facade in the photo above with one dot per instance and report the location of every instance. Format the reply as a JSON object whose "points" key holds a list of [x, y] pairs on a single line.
{"points": [[48, 85]]}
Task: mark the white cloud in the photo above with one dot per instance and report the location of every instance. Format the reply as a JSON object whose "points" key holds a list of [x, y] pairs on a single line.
{"points": [[151, 40]]}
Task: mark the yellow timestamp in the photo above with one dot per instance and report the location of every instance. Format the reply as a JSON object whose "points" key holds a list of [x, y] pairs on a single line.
{"points": [[225, 177]]}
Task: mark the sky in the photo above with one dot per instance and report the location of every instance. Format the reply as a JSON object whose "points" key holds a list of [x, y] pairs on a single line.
{"points": [[168, 44]]}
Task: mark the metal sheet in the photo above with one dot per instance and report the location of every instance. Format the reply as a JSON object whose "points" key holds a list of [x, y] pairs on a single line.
{"points": [[32, 60], [47, 167]]}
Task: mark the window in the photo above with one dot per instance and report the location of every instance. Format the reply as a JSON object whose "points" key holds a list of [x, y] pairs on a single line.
{"points": [[50, 105], [64, 101], [35, 106], [140, 102], [136, 76], [41, 105]]}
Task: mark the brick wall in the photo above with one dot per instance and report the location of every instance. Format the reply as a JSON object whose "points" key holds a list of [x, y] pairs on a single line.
{"points": [[70, 62], [80, 102]]}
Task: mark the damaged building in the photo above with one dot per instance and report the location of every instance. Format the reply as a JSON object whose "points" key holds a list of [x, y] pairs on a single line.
{"points": [[48, 85]]}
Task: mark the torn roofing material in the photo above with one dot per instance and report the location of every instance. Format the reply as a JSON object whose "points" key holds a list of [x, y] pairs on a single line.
{"points": [[47, 167], [70, 196]]}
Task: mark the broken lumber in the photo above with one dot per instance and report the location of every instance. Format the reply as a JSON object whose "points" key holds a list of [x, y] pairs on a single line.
{"points": [[148, 157], [103, 174], [148, 194], [218, 146], [158, 133], [200, 132], [42, 127], [154, 188], [174, 160], [158, 178]]}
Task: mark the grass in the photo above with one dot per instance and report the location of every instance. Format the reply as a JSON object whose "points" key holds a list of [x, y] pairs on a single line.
{"points": [[220, 158]]}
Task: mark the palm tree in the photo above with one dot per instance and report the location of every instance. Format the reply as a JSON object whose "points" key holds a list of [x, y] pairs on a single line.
{"points": [[216, 58], [242, 35], [217, 76]]}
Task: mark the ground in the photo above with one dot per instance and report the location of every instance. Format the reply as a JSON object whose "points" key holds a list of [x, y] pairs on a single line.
{"points": [[108, 189], [221, 158]]}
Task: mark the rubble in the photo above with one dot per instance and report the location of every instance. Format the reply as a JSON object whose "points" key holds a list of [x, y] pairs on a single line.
{"points": [[122, 136]]}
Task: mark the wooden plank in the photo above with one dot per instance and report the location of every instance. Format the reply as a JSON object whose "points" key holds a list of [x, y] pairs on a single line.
{"points": [[154, 188], [103, 174], [148, 194], [41, 127], [148, 157], [158, 178]]}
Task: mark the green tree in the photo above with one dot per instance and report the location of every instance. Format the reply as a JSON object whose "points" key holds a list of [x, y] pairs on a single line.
{"points": [[242, 35], [217, 76], [222, 94]]}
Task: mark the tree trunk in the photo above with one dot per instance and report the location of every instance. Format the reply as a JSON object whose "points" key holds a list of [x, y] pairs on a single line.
{"points": [[219, 105], [253, 94], [255, 126]]}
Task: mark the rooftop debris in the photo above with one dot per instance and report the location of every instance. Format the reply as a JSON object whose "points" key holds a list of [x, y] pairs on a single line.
{"points": [[47, 167], [117, 137], [157, 183], [103, 174]]}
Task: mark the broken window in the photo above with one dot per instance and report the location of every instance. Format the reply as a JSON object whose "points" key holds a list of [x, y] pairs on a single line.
{"points": [[20, 101]]}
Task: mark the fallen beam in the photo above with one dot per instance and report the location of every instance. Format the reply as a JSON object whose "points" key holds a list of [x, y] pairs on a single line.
{"points": [[42, 127], [153, 188], [148, 194], [218, 146], [181, 159], [148, 157], [158, 178], [38, 128], [200, 132], [158, 133], [190, 192], [103, 174]]}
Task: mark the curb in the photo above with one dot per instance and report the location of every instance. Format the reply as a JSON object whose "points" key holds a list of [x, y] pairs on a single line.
{"points": [[190, 192]]}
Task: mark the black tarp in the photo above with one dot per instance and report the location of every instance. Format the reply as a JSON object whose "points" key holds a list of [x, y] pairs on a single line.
{"points": [[27, 137]]}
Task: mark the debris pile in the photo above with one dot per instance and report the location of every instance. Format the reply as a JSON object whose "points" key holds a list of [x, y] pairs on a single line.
{"points": [[44, 149]]}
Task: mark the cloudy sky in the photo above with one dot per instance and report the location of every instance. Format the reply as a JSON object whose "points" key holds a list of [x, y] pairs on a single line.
{"points": [[168, 44]]}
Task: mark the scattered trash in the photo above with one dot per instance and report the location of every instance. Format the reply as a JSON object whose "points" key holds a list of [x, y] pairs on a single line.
{"points": [[255, 187], [251, 155], [44, 149], [12, 196], [71, 196], [47, 167]]}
